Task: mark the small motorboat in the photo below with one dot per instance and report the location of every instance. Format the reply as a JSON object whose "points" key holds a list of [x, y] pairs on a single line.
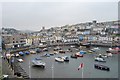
{"points": [[32, 52], [66, 58], [72, 46], [38, 63], [59, 59], [38, 50], [109, 54], [55, 52], [17, 55], [104, 55], [73, 56], [61, 51], [101, 67], [26, 52], [21, 53], [20, 60], [68, 50], [46, 55], [100, 59], [45, 49], [57, 48], [95, 49], [78, 54], [89, 51]]}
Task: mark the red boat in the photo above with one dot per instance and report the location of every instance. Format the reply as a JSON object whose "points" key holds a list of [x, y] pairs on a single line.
{"points": [[114, 50], [79, 55]]}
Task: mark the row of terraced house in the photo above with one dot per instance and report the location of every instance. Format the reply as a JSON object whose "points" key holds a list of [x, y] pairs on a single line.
{"points": [[102, 32]]}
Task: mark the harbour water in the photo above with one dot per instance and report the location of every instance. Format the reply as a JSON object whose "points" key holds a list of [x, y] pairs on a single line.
{"points": [[69, 69]]}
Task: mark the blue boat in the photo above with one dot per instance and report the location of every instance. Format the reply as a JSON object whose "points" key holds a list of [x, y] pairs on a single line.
{"points": [[82, 52], [21, 53], [26, 52]]}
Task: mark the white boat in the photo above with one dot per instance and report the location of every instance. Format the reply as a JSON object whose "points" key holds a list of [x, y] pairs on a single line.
{"points": [[32, 51], [17, 55], [114, 50], [95, 49], [66, 58], [99, 59], [38, 63], [55, 52], [20, 60], [109, 54], [72, 46], [59, 59]]}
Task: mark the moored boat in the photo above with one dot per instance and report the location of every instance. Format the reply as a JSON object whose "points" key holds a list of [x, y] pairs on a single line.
{"points": [[101, 67], [78, 54], [46, 55], [66, 58], [100, 59], [21, 53], [20, 60], [38, 63], [59, 59], [113, 50], [73, 56]]}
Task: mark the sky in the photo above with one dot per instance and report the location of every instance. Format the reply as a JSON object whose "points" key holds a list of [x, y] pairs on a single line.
{"points": [[35, 15]]}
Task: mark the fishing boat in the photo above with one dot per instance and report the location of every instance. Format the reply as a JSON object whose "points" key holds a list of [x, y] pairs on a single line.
{"points": [[101, 67], [38, 63], [59, 59]]}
